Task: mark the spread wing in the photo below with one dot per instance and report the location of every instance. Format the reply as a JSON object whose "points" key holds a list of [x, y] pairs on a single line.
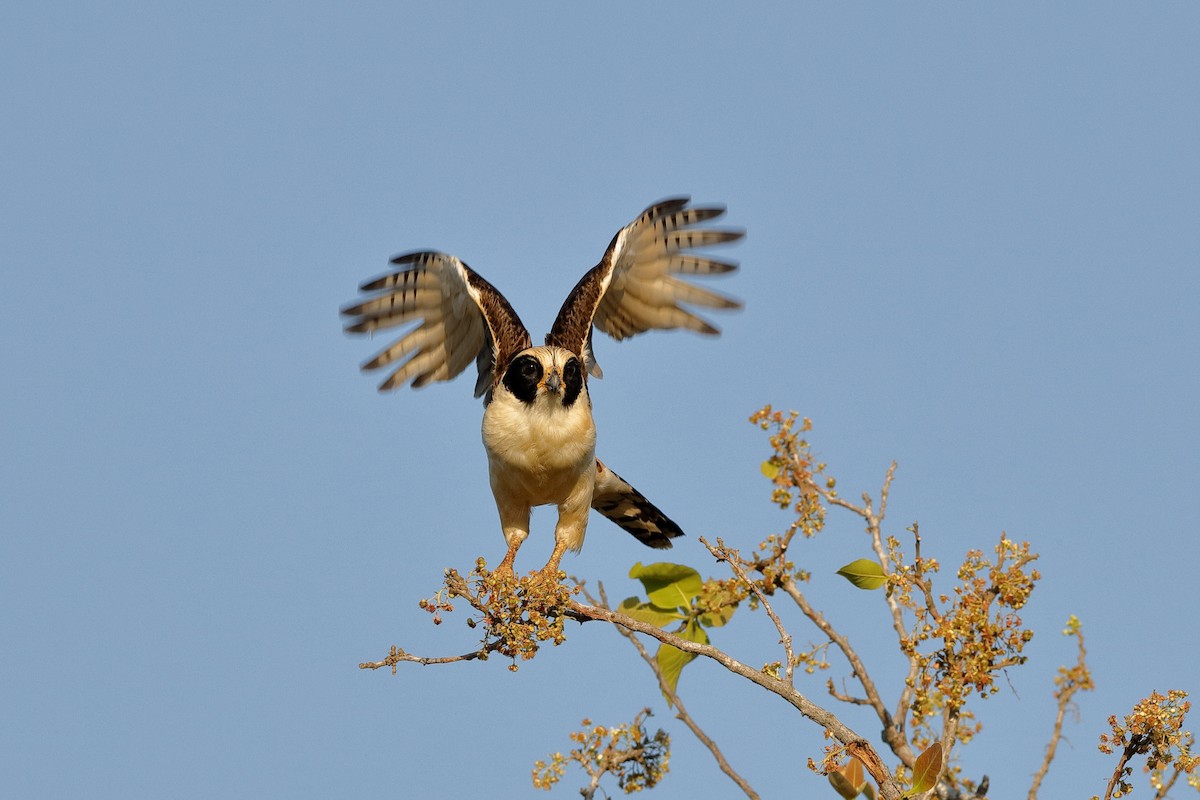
{"points": [[639, 284], [462, 318]]}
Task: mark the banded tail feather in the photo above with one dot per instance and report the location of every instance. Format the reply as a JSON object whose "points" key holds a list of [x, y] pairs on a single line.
{"points": [[627, 507]]}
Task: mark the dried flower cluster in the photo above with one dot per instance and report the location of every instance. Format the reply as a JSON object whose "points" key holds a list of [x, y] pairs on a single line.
{"points": [[1153, 729], [637, 760], [977, 629], [793, 473], [516, 613]]}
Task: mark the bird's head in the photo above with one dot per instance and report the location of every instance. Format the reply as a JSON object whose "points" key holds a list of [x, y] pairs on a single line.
{"points": [[545, 375]]}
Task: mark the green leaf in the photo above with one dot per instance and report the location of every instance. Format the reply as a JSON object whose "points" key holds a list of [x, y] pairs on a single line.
{"points": [[668, 585], [769, 469], [648, 612], [864, 573], [928, 769], [715, 619], [672, 660]]}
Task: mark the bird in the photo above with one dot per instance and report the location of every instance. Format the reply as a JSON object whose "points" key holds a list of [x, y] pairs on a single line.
{"points": [[538, 430]]}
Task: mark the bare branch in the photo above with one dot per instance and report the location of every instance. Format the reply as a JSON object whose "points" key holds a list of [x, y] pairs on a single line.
{"points": [[398, 655], [883, 492], [1167, 784], [1137, 744], [1063, 700], [723, 553], [1069, 681], [845, 698], [875, 529], [843, 644], [855, 745], [893, 723], [681, 712], [925, 585]]}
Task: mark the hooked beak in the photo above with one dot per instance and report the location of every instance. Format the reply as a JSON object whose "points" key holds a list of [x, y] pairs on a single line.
{"points": [[554, 382]]}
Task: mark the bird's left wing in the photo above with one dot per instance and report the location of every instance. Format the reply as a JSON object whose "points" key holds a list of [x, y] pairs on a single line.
{"points": [[463, 318], [639, 285]]}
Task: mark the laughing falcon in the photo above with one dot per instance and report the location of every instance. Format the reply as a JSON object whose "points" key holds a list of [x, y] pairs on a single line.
{"points": [[537, 421]]}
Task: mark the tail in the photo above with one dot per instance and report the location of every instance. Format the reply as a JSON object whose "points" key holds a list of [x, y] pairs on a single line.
{"points": [[625, 505]]}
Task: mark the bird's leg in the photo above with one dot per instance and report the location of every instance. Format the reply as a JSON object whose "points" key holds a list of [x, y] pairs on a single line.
{"points": [[572, 521], [514, 519], [506, 566], [551, 569]]}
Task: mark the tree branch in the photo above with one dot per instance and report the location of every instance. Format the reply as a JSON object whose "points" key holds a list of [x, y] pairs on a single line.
{"points": [[722, 553], [1051, 748], [681, 712], [398, 655], [893, 724], [843, 644], [855, 745]]}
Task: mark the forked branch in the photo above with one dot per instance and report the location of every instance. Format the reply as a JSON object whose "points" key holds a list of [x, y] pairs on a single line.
{"points": [[854, 744]]}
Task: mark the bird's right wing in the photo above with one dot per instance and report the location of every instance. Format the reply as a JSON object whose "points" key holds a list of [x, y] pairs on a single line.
{"points": [[462, 318], [640, 283]]}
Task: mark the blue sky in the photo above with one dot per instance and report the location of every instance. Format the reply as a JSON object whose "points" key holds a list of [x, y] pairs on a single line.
{"points": [[972, 248]]}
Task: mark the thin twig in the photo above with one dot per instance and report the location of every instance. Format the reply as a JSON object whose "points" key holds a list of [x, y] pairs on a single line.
{"points": [[397, 655], [919, 569], [722, 553], [1137, 744], [874, 528], [681, 712], [1051, 748], [883, 492], [855, 745], [843, 644], [845, 698], [1072, 681], [893, 730], [1167, 784]]}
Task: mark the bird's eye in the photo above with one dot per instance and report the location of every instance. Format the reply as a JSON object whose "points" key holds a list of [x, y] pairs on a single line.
{"points": [[522, 377], [573, 380]]}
